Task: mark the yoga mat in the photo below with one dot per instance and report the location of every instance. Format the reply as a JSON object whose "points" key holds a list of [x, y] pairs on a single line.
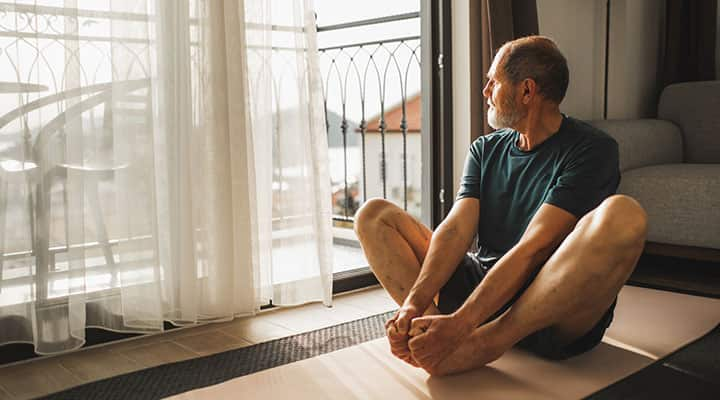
{"points": [[655, 323], [649, 324]]}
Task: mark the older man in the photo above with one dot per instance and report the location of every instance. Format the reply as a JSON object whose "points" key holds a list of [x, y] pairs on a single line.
{"points": [[555, 243]]}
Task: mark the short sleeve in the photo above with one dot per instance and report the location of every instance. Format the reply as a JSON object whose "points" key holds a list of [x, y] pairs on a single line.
{"points": [[591, 175], [471, 182]]}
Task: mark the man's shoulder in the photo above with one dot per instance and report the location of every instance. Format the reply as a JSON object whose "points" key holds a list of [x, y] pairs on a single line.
{"points": [[492, 139], [585, 134], [587, 144]]}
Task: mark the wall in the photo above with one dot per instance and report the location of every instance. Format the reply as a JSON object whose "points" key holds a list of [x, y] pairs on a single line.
{"points": [[635, 29], [578, 28], [461, 87]]}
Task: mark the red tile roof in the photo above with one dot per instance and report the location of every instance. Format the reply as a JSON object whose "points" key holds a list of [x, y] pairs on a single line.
{"points": [[393, 117]]}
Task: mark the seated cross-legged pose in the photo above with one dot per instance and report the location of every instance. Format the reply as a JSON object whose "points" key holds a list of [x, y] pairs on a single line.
{"points": [[555, 243]]}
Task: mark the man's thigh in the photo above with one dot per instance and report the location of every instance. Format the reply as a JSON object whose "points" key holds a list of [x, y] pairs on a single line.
{"points": [[547, 342], [552, 344]]}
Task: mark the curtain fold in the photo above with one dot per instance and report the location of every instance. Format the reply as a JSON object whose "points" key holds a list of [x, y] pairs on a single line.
{"points": [[499, 21], [690, 37], [159, 161]]}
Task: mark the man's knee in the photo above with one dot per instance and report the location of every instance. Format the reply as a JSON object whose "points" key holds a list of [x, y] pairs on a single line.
{"points": [[621, 219], [370, 213]]}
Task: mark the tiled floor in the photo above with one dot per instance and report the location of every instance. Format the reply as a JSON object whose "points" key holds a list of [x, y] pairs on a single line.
{"points": [[50, 374]]}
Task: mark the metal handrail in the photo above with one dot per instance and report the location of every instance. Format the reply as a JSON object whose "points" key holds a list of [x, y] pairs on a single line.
{"points": [[370, 21], [73, 12], [353, 68], [376, 42]]}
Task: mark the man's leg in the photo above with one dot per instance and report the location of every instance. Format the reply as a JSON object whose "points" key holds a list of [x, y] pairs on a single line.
{"points": [[395, 245], [572, 291]]}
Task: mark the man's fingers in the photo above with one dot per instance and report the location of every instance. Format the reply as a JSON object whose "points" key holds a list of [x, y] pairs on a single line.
{"points": [[404, 354], [416, 343], [398, 341], [407, 357], [403, 324], [394, 336], [419, 326], [411, 361], [391, 321]]}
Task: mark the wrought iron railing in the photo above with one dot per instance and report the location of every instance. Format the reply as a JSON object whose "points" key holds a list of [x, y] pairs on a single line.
{"points": [[352, 68], [71, 91]]}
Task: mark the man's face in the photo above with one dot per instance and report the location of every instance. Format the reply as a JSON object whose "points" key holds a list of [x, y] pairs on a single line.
{"points": [[504, 110]]}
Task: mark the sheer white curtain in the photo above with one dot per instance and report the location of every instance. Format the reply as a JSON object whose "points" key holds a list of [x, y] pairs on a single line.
{"points": [[159, 161]]}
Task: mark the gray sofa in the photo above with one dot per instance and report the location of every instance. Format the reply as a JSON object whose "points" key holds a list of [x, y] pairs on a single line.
{"points": [[671, 165]]}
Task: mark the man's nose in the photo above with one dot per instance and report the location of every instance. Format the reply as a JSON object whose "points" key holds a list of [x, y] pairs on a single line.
{"points": [[486, 90]]}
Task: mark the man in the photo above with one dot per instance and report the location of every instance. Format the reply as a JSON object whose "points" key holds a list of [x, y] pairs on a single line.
{"points": [[555, 243]]}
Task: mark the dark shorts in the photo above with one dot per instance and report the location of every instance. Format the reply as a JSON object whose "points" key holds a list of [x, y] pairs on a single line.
{"points": [[471, 272]]}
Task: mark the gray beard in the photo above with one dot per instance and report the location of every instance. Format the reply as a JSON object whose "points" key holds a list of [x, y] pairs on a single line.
{"points": [[500, 121]]}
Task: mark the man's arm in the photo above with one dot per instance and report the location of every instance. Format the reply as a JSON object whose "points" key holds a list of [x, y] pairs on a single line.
{"points": [[448, 244], [447, 247], [547, 229]]}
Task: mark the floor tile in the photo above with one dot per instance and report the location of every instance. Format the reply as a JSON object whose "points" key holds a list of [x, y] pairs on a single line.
{"points": [[159, 337], [95, 364], [36, 378], [348, 312], [154, 354], [373, 301], [381, 293], [210, 342], [256, 329], [301, 319], [314, 316]]}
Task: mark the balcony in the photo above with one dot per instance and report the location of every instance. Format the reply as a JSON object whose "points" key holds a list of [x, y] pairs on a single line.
{"points": [[373, 118], [372, 121]]}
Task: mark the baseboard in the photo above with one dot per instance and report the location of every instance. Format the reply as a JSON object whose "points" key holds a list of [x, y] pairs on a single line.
{"points": [[691, 252], [353, 279]]}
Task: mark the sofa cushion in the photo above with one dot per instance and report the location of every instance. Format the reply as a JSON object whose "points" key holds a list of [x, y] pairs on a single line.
{"points": [[694, 106], [644, 142], [682, 202]]}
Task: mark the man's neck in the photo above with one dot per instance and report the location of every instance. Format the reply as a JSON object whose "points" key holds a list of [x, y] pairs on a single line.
{"points": [[538, 126]]}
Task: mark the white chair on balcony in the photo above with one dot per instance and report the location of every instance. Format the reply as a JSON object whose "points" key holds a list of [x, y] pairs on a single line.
{"points": [[15, 172], [46, 173]]}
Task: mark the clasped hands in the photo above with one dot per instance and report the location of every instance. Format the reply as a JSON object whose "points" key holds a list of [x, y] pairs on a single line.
{"points": [[425, 341]]}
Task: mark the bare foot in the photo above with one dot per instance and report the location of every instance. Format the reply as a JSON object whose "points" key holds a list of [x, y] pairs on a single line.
{"points": [[474, 352]]}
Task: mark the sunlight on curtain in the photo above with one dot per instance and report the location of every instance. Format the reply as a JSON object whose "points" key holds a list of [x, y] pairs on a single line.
{"points": [[159, 161]]}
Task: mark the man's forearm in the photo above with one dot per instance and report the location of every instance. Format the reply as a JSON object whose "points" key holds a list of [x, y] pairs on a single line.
{"points": [[446, 250], [503, 281]]}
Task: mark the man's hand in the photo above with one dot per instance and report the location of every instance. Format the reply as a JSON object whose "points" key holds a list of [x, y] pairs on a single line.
{"points": [[397, 329], [434, 337]]}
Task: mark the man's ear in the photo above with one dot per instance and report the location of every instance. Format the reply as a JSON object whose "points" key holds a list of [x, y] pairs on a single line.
{"points": [[528, 90]]}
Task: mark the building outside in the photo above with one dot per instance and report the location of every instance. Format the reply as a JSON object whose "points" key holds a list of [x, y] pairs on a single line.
{"points": [[394, 171]]}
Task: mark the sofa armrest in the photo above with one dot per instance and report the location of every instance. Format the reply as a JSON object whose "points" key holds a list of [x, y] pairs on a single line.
{"points": [[644, 142], [693, 107]]}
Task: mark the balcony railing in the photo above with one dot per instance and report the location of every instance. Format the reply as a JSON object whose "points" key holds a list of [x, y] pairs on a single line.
{"points": [[372, 82]]}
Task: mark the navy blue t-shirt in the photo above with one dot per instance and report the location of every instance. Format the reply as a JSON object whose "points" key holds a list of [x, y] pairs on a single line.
{"points": [[574, 169]]}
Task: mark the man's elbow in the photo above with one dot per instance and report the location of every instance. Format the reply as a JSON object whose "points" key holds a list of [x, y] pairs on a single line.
{"points": [[451, 231], [537, 250]]}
